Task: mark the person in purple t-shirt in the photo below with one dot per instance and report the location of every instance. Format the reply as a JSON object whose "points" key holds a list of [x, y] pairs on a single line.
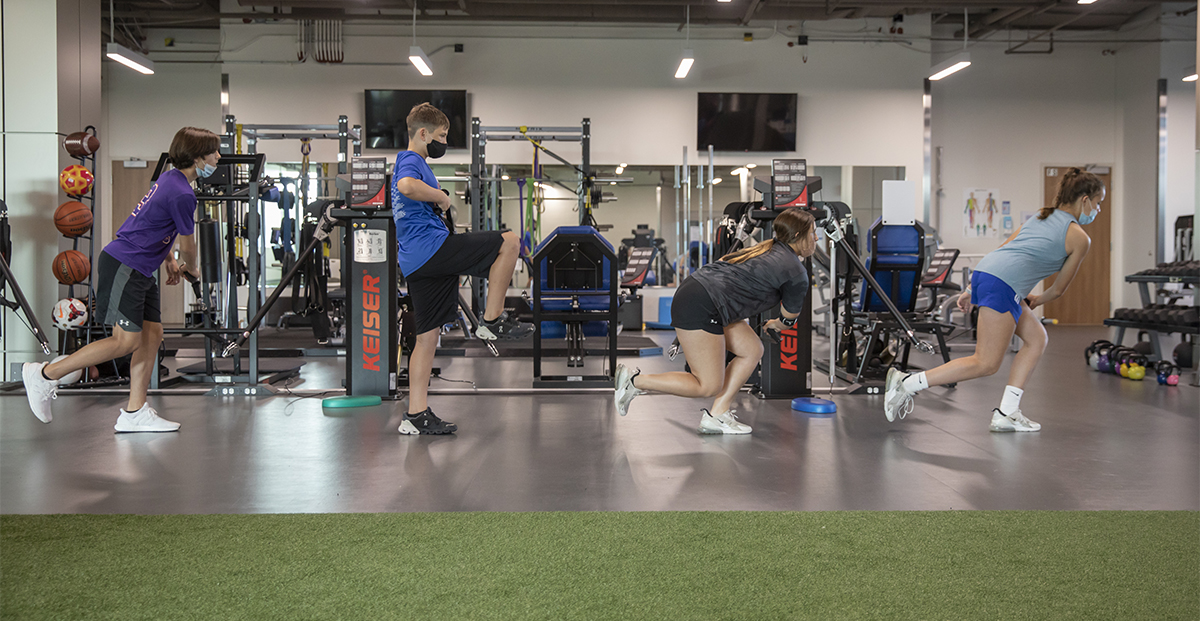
{"points": [[127, 291]]}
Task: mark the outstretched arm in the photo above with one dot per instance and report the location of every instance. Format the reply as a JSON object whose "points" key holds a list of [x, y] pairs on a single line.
{"points": [[1078, 244]]}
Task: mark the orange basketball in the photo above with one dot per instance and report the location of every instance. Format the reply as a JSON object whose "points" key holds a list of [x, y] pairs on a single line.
{"points": [[75, 180], [71, 267], [73, 219]]}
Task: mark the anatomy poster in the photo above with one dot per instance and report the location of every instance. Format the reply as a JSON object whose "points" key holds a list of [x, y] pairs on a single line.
{"points": [[981, 212]]}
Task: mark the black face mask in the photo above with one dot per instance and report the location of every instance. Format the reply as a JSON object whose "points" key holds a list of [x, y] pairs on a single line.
{"points": [[436, 149]]}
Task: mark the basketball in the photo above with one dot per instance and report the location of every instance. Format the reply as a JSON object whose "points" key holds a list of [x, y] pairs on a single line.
{"points": [[71, 267], [73, 219], [75, 180], [81, 144], [69, 313]]}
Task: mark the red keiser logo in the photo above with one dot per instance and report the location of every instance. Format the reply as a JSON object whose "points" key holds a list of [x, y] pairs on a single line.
{"points": [[788, 345], [371, 324]]}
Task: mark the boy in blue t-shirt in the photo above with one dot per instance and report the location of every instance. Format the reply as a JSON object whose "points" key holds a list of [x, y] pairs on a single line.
{"points": [[127, 291], [432, 258]]}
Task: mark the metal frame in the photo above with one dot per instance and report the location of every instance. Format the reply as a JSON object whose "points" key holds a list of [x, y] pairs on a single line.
{"points": [[485, 199]]}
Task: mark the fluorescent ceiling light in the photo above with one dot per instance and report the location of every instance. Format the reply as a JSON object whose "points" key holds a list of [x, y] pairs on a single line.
{"points": [[417, 57], [751, 166], [504, 177], [956, 63], [685, 65], [739, 171], [1087, 1], [725, 1], [716, 181], [1190, 78], [620, 169], [130, 58]]}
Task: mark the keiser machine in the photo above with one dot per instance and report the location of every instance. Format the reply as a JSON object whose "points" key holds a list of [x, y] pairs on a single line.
{"points": [[370, 244], [786, 368], [370, 250]]}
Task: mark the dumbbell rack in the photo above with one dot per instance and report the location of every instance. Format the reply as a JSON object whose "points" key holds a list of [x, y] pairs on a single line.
{"points": [[89, 162], [1156, 327]]}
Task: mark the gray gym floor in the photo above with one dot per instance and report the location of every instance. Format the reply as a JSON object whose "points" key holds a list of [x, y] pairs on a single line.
{"points": [[1106, 443]]}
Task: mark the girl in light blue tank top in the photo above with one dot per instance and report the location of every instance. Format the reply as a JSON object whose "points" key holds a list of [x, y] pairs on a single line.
{"points": [[1052, 243]]}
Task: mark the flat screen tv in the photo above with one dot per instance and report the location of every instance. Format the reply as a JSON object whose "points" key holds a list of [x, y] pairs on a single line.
{"points": [[387, 109], [746, 121]]}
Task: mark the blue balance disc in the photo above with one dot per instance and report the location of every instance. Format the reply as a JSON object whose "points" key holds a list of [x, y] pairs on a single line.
{"points": [[811, 405]]}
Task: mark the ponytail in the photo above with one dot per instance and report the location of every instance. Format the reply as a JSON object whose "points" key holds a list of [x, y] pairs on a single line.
{"points": [[788, 226], [1075, 183]]}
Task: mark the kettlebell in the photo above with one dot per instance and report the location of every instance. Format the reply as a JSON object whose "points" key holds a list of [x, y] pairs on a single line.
{"points": [[1137, 367], [1166, 371], [1183, 355], [1091, 356], [1103, 361], [1143, 347]]}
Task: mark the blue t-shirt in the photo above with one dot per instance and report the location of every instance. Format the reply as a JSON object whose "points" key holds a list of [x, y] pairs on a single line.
{"points": [[148, 234], [419, 231]]}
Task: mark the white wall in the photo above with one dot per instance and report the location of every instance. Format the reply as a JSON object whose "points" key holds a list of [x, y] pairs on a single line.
{"points": [[1007, 116], [1178, 58], [30, 163]]}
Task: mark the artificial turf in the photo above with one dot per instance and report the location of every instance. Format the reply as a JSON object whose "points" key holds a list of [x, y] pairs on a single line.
{"points": [[662, 566]]}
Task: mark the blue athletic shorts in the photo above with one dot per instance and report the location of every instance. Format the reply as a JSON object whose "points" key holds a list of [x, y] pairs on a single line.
{"points": [[989, 291]]}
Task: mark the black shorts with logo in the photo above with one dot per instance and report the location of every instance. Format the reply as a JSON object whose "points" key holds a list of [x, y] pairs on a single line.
{"points": [[434, 286], [693, 309], [125, 297]]}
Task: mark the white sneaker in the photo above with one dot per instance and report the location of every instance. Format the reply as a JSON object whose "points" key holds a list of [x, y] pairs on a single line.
{"points": [[145, 419], [725, 422], [626, 391], [39, 390], [1012, 422], [897, 399]]}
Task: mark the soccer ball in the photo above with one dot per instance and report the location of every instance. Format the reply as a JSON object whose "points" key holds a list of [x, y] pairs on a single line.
{"points": [[75, 180], [69, 313]]}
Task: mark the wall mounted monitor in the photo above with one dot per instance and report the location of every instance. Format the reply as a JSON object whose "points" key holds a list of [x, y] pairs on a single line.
{"points": [[746, 121], [386, 111]]}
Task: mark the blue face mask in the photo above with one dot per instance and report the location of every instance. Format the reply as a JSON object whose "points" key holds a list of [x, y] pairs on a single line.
{"points": [[207, 170], [1089, 217]]}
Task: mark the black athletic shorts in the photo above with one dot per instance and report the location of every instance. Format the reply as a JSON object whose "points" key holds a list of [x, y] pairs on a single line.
{"points": [[693, 309], [124, 296], [434, 286]]}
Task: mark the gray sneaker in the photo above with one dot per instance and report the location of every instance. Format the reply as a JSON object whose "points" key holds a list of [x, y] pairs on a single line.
{"points": [[897, 401], [144, 419], [626, 391], [724, 422], [39, 390], [1012, 422]]}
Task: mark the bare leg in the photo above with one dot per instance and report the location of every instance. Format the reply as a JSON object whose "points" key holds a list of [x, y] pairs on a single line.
{"points": [[705, 354], [420, 365], [500, 275], [115, 346], [1033, 344], [142, 365], [745, 344], [995, 333]]}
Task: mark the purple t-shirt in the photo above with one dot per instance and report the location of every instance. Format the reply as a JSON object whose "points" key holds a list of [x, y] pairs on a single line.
{"points": [[148, 234]]}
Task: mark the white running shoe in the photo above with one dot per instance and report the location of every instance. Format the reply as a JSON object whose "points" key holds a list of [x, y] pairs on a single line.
{"points": [[897, 399], [145, 419], [725, 423], [39, 390], [1012, 422], [626, 391]]}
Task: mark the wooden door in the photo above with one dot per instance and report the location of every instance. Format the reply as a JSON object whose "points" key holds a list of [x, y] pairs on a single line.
{"points": [[129, 185], [1087, 301]]}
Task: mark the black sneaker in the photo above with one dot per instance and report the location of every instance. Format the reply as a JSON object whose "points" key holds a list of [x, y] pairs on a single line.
{"points": [[426, 423], [505, 327]]}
